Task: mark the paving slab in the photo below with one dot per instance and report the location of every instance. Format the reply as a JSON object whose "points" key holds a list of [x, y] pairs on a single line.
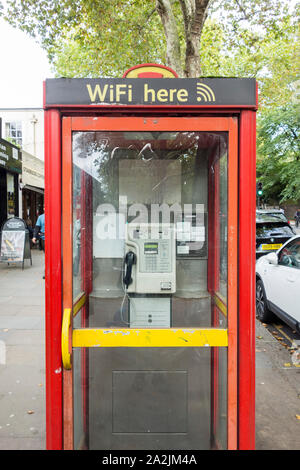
{"points": [[277, 395], [22, 355]]}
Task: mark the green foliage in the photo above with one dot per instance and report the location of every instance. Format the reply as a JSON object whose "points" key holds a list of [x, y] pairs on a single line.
{"points": [[240, 38], [105, 37], [278, 153], [271, 55], [92, 37]]}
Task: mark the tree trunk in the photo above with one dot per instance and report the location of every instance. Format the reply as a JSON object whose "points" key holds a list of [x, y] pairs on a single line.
{"points": [[167, 17], [194, 16]]}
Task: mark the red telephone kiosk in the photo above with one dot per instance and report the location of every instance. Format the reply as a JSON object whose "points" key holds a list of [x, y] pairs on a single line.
{"points": [[150, 261]]}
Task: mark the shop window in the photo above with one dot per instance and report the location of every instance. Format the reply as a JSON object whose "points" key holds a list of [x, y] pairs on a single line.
{"points": [[13, 131], [11, 209]]}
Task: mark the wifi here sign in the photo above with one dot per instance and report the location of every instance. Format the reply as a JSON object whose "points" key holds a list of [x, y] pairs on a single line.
{"points": [[152, 91]]}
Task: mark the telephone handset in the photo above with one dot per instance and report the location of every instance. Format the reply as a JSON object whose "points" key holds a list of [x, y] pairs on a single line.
{"points": [[130, 260]]}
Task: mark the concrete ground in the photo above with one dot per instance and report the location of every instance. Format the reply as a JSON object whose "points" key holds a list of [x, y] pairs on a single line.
{"points": [[22, 370], [277, 394], [22, 366]]}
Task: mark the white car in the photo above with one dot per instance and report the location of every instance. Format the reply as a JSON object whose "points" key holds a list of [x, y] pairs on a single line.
{"points": [[278, 285]]}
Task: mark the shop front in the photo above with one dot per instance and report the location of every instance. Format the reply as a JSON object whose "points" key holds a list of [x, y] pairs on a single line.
{"points": [[32, 189], [10, 171]]}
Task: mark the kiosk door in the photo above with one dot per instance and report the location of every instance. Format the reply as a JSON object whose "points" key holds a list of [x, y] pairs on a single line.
{"points": [[149, 282]]}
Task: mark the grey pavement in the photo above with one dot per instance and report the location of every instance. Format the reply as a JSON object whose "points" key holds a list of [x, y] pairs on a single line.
{"points": [[22, 370], [277, 394], [296, 229], [22, 356]]}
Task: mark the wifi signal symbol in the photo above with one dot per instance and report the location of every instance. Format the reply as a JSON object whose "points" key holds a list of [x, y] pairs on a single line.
{"points": [[205, 93]]}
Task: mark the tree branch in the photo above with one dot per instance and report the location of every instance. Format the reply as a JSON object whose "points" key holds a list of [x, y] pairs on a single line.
{"points": [[242, 9], [140, 27]]}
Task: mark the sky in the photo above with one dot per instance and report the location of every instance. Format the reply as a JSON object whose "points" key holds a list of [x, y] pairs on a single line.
{"points": [[24, 66]]}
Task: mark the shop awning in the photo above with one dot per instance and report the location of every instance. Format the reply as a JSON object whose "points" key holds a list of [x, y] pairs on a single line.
{"points": [[32, 172], [33, 188]]}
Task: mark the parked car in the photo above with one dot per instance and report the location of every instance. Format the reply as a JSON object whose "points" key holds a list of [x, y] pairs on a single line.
{"points": [[278, 285], [276, 214], [272, 231]]}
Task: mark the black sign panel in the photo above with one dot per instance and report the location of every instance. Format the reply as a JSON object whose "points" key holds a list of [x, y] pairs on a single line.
{"points": [[14, 224], [15, 245], [10, 157], [150, 92]]}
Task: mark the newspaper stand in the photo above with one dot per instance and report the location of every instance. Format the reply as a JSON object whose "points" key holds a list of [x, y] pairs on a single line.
{"points": [[164, 356]]}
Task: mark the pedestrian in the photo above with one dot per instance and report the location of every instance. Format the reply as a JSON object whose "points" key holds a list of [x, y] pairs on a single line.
{"points": [[297, 217], [39, 231], [29, 227]]}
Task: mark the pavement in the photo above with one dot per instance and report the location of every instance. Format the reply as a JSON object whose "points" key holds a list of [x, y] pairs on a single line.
{"points": [[293, 224], [277, 394], [297, 229], [22, 356], [22, 370]]}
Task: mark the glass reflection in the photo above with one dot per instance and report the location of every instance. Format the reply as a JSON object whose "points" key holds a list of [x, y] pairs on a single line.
{"points": [[150, 251]]}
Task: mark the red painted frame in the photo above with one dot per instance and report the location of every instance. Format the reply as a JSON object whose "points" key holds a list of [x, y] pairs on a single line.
{"points": [[246, 265], [53, 274], [157, 66], [247, 234]]}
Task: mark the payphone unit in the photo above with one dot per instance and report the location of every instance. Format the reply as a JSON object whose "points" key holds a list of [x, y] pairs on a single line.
{"points": [[150, 259], [150, 273]]}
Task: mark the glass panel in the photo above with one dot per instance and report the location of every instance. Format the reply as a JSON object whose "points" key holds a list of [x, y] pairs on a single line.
{"points": [[149, 211], [290, 255], [80, 388], [223, 226], [273, 230], [221, 408], [159, 255], [77, 222], [79, 392]]}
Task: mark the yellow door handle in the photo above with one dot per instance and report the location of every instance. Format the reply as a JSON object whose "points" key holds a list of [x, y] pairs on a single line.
{"points": [[65, 351]]}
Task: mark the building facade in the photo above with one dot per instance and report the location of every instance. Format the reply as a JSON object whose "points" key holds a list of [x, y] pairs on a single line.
{"points": [[32, 188], [24, 128]]}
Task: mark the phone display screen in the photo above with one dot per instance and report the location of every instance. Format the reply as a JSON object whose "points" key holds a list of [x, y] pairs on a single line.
{"points": [[151, 248]]}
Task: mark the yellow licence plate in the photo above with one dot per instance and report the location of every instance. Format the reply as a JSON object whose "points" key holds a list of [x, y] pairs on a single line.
{"points": [[271, 247]]}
